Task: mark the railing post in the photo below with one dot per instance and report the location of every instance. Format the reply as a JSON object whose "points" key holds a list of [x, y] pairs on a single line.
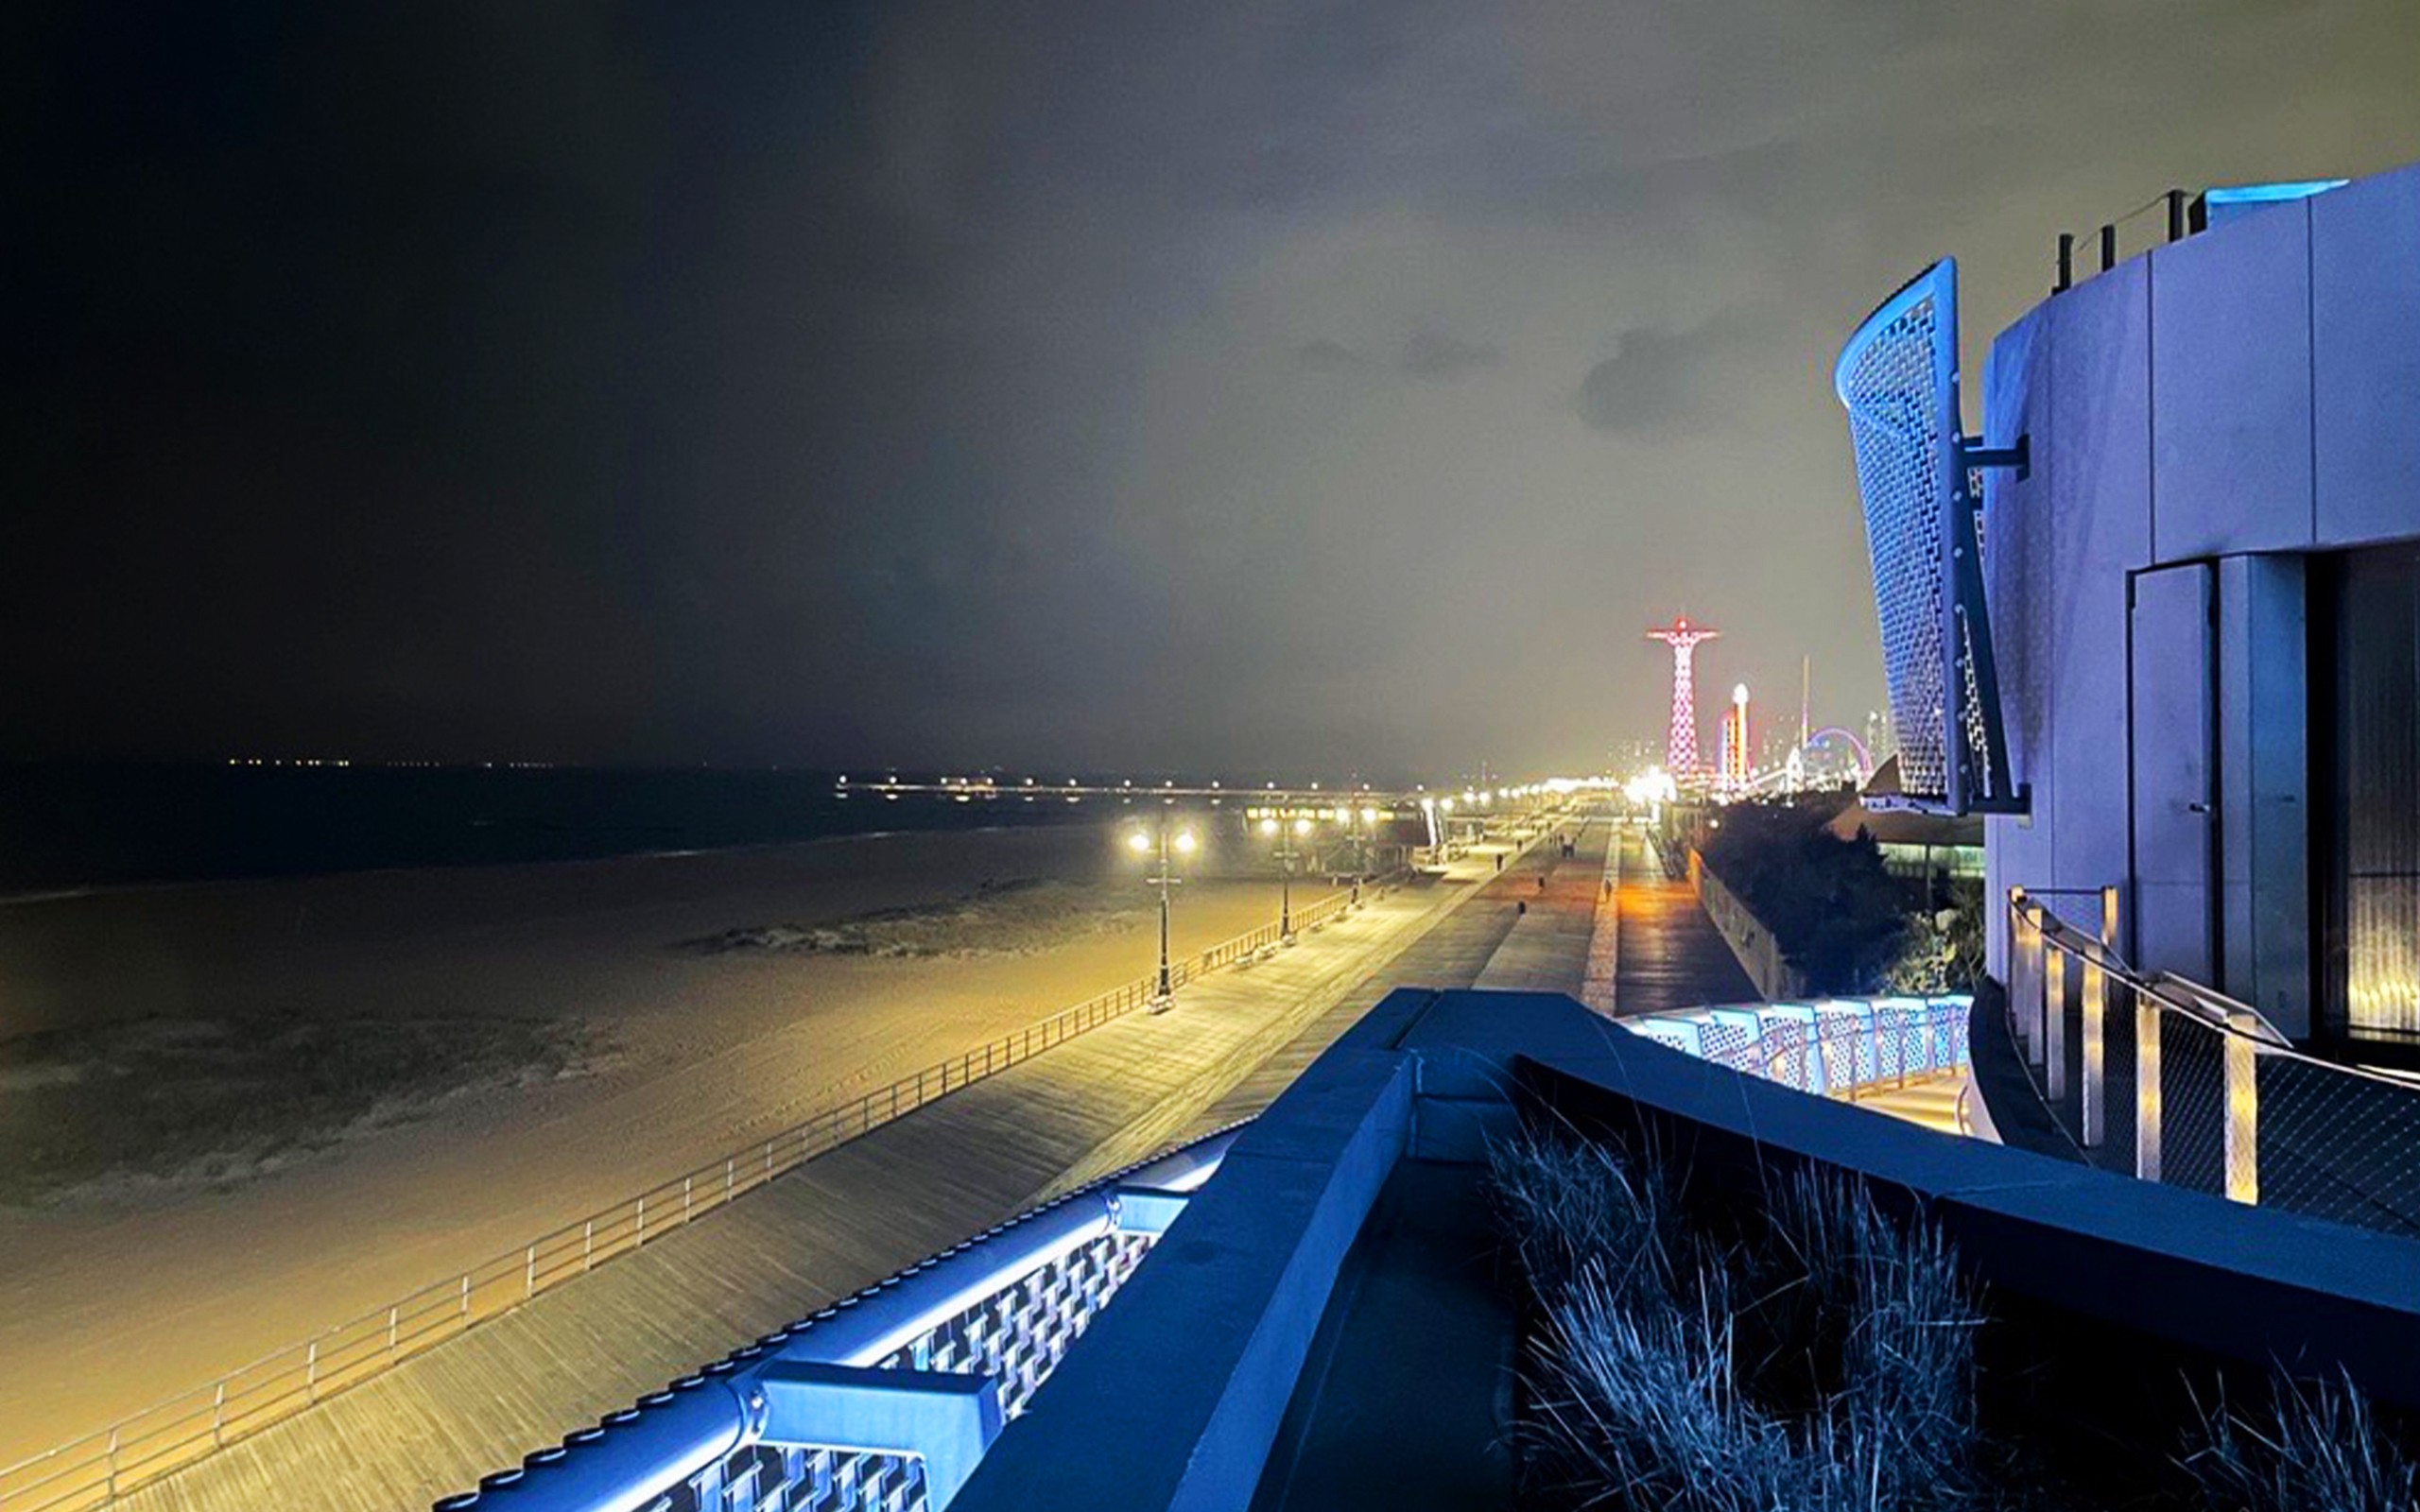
{"points": [[639, 1233], [466, 1297], [2054, 1023], [112, 1465], [588, 1244], [2146, 1102], [2024, 973], [311, 1372], [687, 1183], [529, 1273], [730, 1176], [394, 1316], [2095, 1003], [219, 1416], [2243, 1110]]}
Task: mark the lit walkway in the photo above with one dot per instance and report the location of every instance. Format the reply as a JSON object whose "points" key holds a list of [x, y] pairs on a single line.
{"points": [[1454, 954], [1668, 957], [438, 1422], [1943, 1104], [1554, 916]]}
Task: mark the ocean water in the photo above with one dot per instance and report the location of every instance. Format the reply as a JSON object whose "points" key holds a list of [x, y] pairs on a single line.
{"points": [[69, 826]]}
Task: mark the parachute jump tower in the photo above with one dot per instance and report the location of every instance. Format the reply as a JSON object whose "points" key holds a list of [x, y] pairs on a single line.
{"points": [[1681, 745]]}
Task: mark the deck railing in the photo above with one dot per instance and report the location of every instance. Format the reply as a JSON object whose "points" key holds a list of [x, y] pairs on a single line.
{"points": [[2158, 1076], [1833, 1047], [95, 1470]]}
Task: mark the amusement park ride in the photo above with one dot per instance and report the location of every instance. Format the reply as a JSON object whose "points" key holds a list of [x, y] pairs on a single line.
{"points": [[1735, 774]]}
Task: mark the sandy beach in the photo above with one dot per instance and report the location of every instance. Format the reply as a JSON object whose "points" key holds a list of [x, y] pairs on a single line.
{"points": [[443, 1063]]}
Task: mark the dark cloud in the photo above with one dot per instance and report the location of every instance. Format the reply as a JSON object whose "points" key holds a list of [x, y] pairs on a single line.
{"points": [[1329, 357], [847, 382], [1431, 355], [1648, 383]]}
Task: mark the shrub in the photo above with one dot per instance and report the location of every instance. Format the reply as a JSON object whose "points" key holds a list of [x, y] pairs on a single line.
{"points": [[1837, 915]]}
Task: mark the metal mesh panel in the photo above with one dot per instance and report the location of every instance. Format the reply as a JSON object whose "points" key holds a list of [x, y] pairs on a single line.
{"points": [[1901, 424], [1852, 1055], [1786, 1054], [1019, 1334], [1732, 1045], [2341, 1147], [1839, 1050], [804, 1480]]}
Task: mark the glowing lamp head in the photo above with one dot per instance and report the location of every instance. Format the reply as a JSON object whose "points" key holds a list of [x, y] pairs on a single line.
{"points": [[1139, 841], [1184, 842], [1369, 815], [1269, 826], [1303, 826]]}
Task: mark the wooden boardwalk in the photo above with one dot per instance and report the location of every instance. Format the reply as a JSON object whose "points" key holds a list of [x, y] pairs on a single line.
{"points": [[1669, 958], [1548, 948], [1457, 952], [477, 1403]]}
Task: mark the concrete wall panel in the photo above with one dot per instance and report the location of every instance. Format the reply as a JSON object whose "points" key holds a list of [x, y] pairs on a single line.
{"points": [[2099, 507], [2016, 537], [2365, 349], [2231, 397]]}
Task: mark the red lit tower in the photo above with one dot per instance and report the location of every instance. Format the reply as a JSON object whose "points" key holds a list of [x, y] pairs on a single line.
{"points": [[1681, 745]]}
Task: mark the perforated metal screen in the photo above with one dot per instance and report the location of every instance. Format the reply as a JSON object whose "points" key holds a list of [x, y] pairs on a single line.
{"points": [[1899, 379], [1896, 377]]}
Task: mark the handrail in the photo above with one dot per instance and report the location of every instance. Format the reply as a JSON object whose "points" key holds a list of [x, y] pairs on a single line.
{"points": [[95, 1468], [2041, 946], [875, 1330], [1831, 1047]]}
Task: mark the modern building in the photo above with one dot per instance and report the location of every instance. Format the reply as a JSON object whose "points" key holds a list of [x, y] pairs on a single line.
{"points": [[2200, 553]]}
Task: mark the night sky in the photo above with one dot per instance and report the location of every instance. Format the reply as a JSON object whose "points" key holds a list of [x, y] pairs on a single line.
{"points": [[1216, 385]]}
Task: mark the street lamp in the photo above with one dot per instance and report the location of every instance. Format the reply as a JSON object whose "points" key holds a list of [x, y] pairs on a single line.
{"points": [[1143, 842], [1285, 857]]}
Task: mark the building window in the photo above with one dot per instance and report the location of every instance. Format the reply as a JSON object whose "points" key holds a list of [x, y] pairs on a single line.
{"points": [[2372, 975]]}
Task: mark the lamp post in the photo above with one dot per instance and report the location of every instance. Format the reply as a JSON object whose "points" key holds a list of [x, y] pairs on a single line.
{"points": [[1143, 842], [1361, 841], [1284, 855]]}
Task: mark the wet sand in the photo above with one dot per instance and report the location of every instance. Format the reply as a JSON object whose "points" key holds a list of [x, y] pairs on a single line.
{"points": [[114, 1293]]}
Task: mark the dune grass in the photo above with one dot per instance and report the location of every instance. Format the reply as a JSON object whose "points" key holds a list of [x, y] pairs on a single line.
{"points": [[162, 1108], [1817, 1356], [2316, 1447], [1823, 1363]]}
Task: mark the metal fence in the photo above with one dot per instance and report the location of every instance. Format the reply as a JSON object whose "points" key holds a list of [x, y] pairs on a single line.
{"points": [[94, 1471], [1835, 1047], [2159, 1077]]}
